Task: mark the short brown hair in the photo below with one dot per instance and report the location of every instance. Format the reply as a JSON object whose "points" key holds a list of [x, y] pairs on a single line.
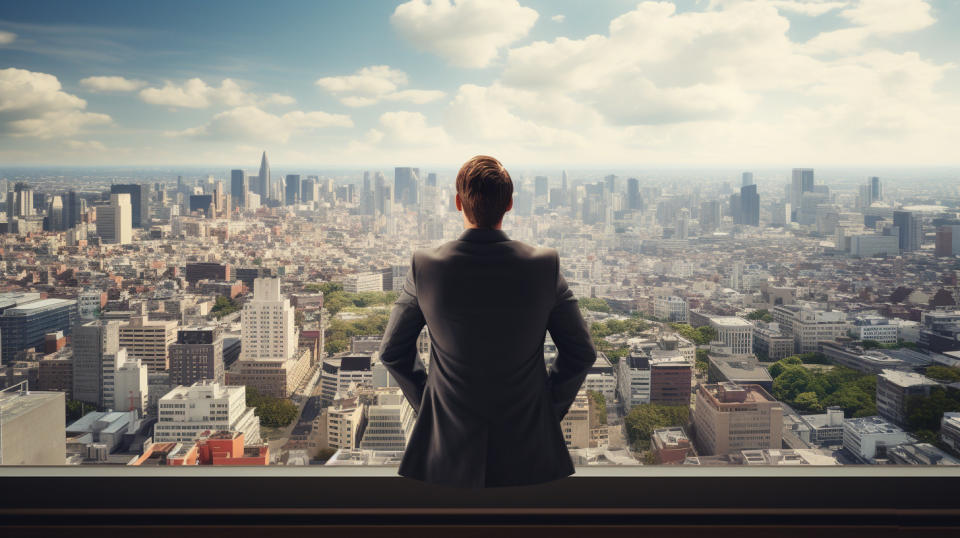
{"points": [[485, 190]]}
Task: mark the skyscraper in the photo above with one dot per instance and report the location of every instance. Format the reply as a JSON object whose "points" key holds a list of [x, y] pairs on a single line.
{"points": [[749, 205], [197, 355], [381, 193], [238, 189], [55, 215], [909, 228], [292, 191], [263, 181], [308, 190], [747, 179], [633, 194], [876, 189], [267, 326], [802, 181], [91, 341], [139, 202], [406, 182], [114, 221]]}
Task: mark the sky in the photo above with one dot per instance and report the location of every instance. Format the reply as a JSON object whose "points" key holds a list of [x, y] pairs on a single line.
{"points": [[554, 83]]}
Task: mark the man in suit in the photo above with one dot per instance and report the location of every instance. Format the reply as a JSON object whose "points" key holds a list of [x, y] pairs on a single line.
{"points": [[489, 412]]}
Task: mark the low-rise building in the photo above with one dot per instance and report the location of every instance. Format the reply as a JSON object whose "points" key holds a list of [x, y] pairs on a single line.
{"points": [[868, 438], [729, 418], [633, 380], [894, 388], [186, 412], [670, 446], [877, 329]]}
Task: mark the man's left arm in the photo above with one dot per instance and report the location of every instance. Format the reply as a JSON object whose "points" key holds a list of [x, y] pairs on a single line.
{"points": [[398, 350]]}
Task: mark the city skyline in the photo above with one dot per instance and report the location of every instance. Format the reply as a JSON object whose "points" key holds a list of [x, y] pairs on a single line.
{"points": [[687, 83]]}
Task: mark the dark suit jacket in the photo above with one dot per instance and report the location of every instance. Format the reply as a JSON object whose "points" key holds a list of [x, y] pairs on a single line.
{"points": [[489, 412]]}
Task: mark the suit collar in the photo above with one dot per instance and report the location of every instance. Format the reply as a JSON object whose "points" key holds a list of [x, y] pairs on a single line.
{"points": [[483, 235]]}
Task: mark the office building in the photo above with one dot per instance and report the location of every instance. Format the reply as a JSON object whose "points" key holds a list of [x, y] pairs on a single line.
{"points": [[361, 282], [576, 423], [809, 328], [114, 221], [208, 271], [600, 378], [389, 422], [948, 240], [263, 183], [185, 413], [729, 418], [735, 333], [406, 185], [24, 326], [910, 234], [894, 388], [770, 344], [633, 380], [139, 203], [197, 355], [91, 342], [876, 329], [239, 187], [345, 423], [869, 438], [738, 369], [125, 385], [670, 375], [802, 182], [148, 340], [292, 191], [670, 308], [32, 427], [746, 179], [670, 446], [339, 373], [873, 245], [55, 373], [749, 206]]}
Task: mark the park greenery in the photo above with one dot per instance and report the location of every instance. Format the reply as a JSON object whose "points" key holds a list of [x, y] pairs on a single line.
{"points": [[273, 412], [703, 363], [339, 332], [810, 391], [924, 413], [873, 344], [944, 374], [599, 407], [600, 330], [760, 315], [700, 336], [75, 409], [644, 418], [595, 304], [223, 306]]}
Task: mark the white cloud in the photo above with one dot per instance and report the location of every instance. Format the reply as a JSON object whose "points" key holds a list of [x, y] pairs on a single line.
{"points": [[890, 16], [373, 84], [466, 33], [195, 93], [33, 104], [558, 18], [7, 37], [254, 124], [111, 84], [406, 129], [86, 145], [810, 8]]}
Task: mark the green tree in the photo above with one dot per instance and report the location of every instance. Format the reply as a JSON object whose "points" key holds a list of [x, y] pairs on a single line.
{"points": [[777, 368], [644, 418], [324, 454], [599, 405], [273, 412], [224, 306], [808, 401], [791, 382], [925, 412], [946, 374], [595, 304], [762, 315]]}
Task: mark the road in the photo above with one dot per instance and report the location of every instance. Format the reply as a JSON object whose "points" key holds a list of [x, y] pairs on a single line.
{"points": [[308, 407]]}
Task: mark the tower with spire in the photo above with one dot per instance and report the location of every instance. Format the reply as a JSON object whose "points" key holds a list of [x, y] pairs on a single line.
{"points": [[263, 183]]}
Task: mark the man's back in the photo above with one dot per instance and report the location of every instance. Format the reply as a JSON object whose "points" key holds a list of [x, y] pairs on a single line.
{"points": [[489, 413]]}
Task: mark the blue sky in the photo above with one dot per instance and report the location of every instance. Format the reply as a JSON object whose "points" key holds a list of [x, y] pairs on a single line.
{"points": [[772, 82]]}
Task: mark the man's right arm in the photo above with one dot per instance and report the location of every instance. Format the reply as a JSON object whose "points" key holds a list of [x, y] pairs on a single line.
{"points": [[575, 351]]}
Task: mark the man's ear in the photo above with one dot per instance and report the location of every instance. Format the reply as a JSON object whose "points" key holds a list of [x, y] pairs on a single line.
{"points": [[456, 200], [509, 205]]}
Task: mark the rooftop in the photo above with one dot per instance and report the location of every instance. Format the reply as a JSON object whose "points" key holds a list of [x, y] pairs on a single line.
{"points": [[35, 306]]}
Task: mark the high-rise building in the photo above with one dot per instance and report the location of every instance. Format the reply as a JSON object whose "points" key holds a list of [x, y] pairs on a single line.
{"points": [[148, 340], [910, 233], [208, 271], [114, 221], [239, 186], [91, 342], [633, 380], [308, 190], [802, 181], [876, 189], [292, 190], [263, 180], [20, 201], [541, 187], [197, 355], [729, 418], [948, 240], [56, 219], [24, 326], [75, 209], [670, 375], [339, 373], [747, 179], [124, 382], [32, 427], [895, 388], [406, 185], [735, 333], [634, 202], [186, 412], [139, 202], [749, 205]]}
